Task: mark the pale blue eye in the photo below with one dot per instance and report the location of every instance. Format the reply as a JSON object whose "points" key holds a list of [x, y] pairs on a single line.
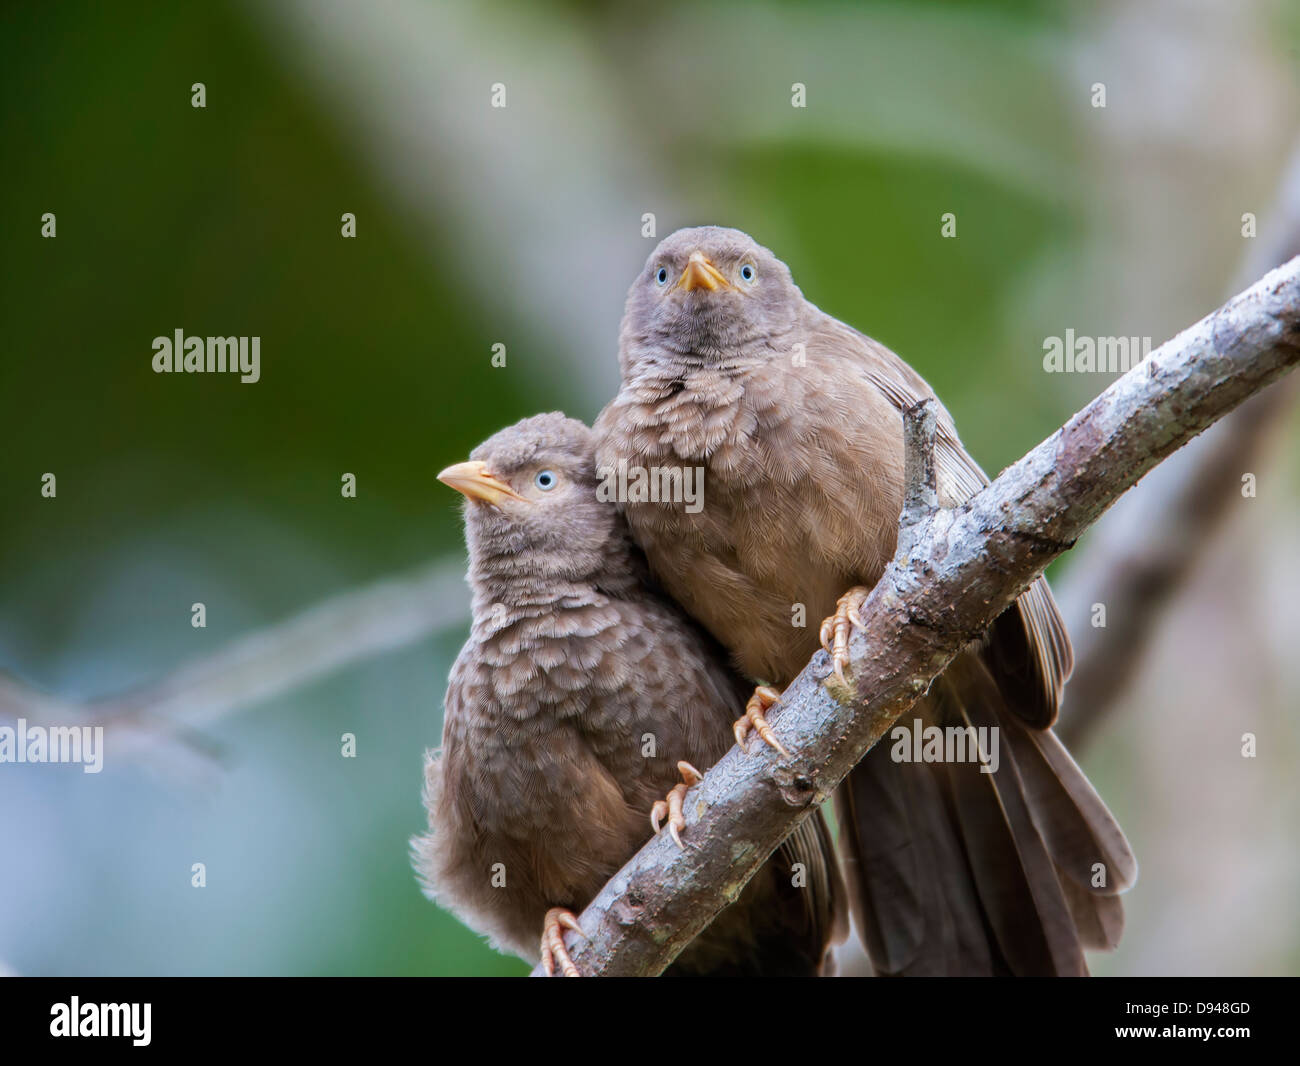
{"points": [[747, 272], [545, 480], [661, 276]]}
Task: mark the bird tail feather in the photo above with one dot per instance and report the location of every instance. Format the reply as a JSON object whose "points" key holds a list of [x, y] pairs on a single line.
{"points": [[1001, 860]]}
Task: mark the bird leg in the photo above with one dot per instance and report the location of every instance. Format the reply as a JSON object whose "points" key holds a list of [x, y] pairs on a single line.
{"points": [[553, 950], [836, 629], [672, 806], [755, 717]]}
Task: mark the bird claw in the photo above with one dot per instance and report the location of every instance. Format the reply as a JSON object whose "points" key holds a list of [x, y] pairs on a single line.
{"points": [[755, 717], [671, 807], [836, 629], [553, 949]]}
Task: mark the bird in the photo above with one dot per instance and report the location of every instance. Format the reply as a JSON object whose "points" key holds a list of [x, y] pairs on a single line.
{"points": [[796, 419], [580, 696]]}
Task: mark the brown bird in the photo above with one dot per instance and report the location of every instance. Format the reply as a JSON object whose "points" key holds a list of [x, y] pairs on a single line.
{"points": [[580, 695], [796, 419]]}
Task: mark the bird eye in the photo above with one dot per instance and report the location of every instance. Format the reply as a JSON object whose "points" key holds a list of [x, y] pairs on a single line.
{"points": [[661, 276], [545, 480], [747, 272]]}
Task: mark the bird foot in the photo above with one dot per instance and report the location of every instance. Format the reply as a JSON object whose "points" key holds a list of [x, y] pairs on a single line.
{"points": [[553, 949], [836, 629], [671, 808], [755, 717]]}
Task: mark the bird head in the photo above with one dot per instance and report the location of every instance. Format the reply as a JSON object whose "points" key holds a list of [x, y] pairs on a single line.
{"points": [[707, 294], [530, 499]]}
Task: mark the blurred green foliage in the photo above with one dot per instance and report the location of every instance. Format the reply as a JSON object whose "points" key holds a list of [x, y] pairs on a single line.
{"points": [[174, 489]]}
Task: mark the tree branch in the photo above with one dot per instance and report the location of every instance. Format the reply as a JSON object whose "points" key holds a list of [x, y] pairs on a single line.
{"points": [[340, 630], [961, 569], [920, 479]]}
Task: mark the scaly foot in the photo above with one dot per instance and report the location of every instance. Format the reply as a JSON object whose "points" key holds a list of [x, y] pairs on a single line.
{"points": [[553, 949], [755, 717], [836, 629], [671, 808]]}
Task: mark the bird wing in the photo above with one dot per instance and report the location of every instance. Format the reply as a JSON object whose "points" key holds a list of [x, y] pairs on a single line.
{"points": [[1028, 650]]}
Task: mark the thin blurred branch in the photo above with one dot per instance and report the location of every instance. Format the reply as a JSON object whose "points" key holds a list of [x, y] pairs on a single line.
{"points": [[955, 572], [1146, 549], [342, 630]]}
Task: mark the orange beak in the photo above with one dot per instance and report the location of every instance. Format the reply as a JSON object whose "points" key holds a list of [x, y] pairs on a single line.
{"points": [[474, 481], [701, 274]]}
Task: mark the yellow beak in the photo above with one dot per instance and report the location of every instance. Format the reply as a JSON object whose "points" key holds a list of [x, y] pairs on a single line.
{"points": [[475, 482], [701, 274]]}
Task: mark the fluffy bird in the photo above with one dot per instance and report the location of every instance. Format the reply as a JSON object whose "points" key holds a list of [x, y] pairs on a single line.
{"points": [[796, 419], [579, 697]]}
